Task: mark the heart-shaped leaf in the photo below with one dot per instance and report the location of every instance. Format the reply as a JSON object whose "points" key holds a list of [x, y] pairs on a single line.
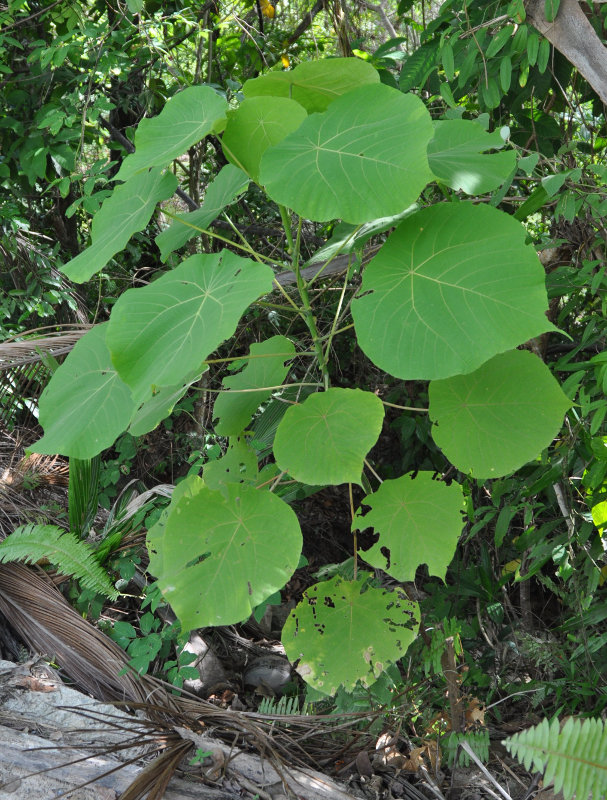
{"points": [[127, 210], [329, 629], [229, 184], [419, 522], [325, 439], [496, 419], [224, 554], [314, 84], [186, 119], [165, 330], [266, 367], [86, 405], [453, 285], [457, 156], [259, 123], [364, 158]]}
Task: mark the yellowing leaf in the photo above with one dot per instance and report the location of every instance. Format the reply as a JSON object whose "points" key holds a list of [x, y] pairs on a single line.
{"points": [[285, 61], [267, 9]]}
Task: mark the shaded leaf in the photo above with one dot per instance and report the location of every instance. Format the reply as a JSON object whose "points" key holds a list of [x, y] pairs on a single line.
{"points": [[494, 420], [453, 285], [158, 407], [326, 438], [314, 84], [85, 406], [329, 632]]}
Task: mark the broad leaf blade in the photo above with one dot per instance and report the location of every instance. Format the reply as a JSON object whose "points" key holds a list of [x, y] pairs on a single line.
{"points": [[162, 332], [125, 212], [224, 555], [453, 285], [86, 405], [187, 118], [494, 420], [314, 84], [266, 367], [329, 632], [259, 123], [229, 184], [326, 438], [419, 522], [457, 156], [158, 407], [364, 158]]}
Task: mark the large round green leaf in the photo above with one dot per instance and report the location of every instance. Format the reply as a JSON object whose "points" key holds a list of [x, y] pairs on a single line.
{"points": [[454, 285], [457, 156], [127, 210], [265, 370], [493, 421], [326, 438], [329, 632], [86, 405], [314, 84], [419, 521], [162, 332], [186, 119], [259, 123], [223, 553], [364, 158]]}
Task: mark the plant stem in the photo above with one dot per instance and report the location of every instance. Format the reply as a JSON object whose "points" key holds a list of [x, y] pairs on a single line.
{"points": [[302, 288]]}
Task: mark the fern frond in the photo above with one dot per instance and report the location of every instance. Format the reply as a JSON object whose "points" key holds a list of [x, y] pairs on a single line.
{"points": [[478, 741], [574, 756], [30, 543], [284, 707]]}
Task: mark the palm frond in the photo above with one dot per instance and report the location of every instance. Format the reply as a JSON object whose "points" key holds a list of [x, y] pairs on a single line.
{"points": [[574, 756], [31, 543]]}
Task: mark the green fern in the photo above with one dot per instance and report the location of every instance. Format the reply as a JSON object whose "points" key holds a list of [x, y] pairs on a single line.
{"points": [[574, 756], [478, 741], [285, 706], [30, 543]]}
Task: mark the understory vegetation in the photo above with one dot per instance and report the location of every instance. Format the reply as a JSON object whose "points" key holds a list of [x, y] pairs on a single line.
{"points": [[304, 347]]}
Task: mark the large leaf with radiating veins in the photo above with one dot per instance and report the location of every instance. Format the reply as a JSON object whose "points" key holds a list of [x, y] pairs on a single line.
{"points": [[224, 554], [501, 416], [364, 158], [259, 123], [237, 465], [127, 210], [454, 285], [163, 331], [314, 84], [187, 118], [86, 405], [159, 406], [325, 439], [264, 371], [457, 156], [418, 520], [223, 190], [330, 632]]}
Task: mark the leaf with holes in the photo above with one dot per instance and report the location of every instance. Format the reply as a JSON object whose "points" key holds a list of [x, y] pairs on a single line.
{"points": [[454, 285], [364, 158], [225, 553], [314, 84], [165, 330], [127, 210], [325, 439], [259, 123], [86, 405], [457, 156], [418, 520], [492, 421], [225, 189], [264, 371], [186, 119], [329, 629]]}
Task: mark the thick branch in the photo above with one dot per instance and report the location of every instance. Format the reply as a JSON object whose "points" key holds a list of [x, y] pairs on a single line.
{"points": [[576, 39]]}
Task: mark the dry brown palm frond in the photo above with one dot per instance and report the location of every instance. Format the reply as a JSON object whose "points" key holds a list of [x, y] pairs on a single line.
{"points": [[30, 348]]}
